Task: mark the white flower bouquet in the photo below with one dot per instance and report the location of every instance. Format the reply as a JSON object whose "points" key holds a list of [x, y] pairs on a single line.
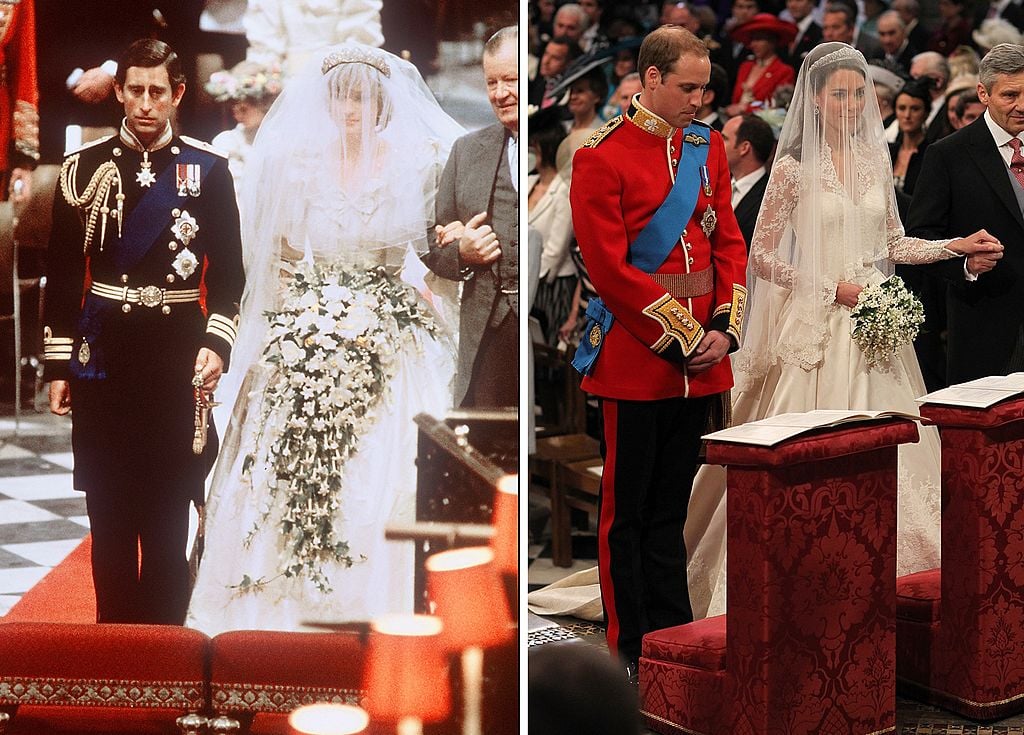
{"points": [[886, 317], [331, 349]]}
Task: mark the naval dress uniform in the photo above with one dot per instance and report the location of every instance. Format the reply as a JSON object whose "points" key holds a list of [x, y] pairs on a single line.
{"points": [[654, 411], [145, 268]]}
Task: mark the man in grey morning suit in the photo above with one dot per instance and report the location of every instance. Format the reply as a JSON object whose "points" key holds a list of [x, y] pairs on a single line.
{"points": [[478, 237]]}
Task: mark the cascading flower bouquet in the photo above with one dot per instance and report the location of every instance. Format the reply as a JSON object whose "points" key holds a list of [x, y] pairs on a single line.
{"points": [[331, 355], [886, 317]]}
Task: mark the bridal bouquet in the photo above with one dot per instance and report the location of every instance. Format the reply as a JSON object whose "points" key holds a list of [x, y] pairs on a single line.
{"points": [[331, 349], [886, 317]]}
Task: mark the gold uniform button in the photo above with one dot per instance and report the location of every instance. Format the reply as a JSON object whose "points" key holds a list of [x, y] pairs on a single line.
{"points": [[689, 261], [116, 151], [172, 246], [175, 150], [175, 212], [170, 278], [126, 308], [165, 309], [124, 278]]}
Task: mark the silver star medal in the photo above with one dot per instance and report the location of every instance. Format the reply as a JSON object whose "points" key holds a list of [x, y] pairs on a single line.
{"points": [[709, 221], [145, 177], [185, 227], [185, 264]]}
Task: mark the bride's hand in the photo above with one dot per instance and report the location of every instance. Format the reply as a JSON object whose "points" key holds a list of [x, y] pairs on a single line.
{"points": [[982, 251], [847, 294], [449, 233]]}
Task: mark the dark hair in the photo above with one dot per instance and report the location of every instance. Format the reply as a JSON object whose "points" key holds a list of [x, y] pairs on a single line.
{"points": [[663, 46], [719, 84], [597, 82], [818, 77], [848, 10], [547, 139], [967, 97], [148, 53], [758, 133], [574, 48], [918, 89]]}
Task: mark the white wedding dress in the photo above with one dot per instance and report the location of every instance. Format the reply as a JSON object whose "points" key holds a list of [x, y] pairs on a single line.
{"points": [[837, 377], [379, 481]]}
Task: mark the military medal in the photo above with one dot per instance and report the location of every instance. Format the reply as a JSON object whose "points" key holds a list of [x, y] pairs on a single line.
{"points": [[187, 178], [709, 221], [185, 227], [705, 178], [145, 177], [84, 353], [185, 264]]}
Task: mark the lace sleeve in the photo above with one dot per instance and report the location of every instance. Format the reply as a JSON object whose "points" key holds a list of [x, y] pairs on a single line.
{"points": [[912, 250]]}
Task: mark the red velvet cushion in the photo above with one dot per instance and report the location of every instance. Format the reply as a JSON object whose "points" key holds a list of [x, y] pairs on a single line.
{"points": [[822, 444], [160, 666], [271, 671], [700, 644], [997, 415], [918, 596]]}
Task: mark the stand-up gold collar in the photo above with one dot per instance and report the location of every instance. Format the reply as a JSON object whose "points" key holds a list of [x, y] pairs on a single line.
{"points": [[647, 120], [131, 140]]}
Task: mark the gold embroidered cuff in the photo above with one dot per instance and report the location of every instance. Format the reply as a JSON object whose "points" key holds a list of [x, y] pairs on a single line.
{"points": [[226, 329], [678, 324], [736, 312]]}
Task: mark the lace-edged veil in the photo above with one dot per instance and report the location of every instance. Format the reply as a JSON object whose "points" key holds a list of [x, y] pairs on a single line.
{"points": [[819, 222], [359, 129]]}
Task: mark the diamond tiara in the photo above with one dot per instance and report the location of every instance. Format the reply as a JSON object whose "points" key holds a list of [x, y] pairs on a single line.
{"points": [[355, 56]]}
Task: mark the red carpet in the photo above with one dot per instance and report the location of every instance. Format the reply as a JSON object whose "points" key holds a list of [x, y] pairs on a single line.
{"points": [[65, 595]]}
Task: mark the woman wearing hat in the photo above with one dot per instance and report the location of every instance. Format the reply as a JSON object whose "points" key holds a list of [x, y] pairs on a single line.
{"points": [[759, 76]]}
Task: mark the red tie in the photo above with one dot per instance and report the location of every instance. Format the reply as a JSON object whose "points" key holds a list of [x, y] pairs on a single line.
{"points": [[1017, 161]]}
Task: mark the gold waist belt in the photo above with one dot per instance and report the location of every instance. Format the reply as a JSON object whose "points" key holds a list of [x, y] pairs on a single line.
{"points": [[151, 296], [687, 285]]}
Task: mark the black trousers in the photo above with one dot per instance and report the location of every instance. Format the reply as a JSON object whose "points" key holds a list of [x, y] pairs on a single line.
{"points": [[650, 451], [139, 562]]}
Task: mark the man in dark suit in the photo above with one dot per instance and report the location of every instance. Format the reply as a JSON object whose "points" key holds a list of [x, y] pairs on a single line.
{"points": [[840, 24], [892, 34], [748, 145], [145, 225], [477, 238], [809, 32], [972, 179]]}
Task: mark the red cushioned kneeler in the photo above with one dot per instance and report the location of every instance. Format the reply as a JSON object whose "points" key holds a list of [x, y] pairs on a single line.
{"points": [[86, 677], [810, 634], [271, 673], [971, 658]]}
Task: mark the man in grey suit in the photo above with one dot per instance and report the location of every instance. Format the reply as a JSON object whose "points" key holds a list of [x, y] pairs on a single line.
{"points": [[477, 237]]}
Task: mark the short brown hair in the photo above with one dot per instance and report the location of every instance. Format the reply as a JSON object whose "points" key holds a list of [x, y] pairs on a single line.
{"points": [[663, 46]]}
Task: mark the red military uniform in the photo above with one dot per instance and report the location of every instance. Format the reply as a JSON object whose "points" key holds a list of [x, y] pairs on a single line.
{"points": [[620, 177], [654, 410]]}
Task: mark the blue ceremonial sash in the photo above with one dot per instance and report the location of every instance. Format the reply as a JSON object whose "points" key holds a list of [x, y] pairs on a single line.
{"points": [[147, 221], [654, 243]]}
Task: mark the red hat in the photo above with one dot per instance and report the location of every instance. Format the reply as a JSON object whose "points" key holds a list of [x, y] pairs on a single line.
{"points": [[765, 23]]}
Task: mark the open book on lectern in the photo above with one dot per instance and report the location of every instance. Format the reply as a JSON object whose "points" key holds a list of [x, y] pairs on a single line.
{"points": [[774, 429], [980, 393]]}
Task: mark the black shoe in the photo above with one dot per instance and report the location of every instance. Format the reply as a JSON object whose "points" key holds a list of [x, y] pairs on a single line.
{"points": [[632, 671]]}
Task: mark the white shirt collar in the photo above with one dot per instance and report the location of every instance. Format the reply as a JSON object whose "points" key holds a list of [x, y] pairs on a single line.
{"points": [[1000, 136], [745, 183], [513, 160]]}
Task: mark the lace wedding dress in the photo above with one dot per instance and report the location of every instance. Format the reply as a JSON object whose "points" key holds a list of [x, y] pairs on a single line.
{"points": [[379, 480], [336, 352]]}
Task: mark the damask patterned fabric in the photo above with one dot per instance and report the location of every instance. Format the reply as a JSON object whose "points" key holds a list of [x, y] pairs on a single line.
{"points": [[972, 662], [810, 641]]}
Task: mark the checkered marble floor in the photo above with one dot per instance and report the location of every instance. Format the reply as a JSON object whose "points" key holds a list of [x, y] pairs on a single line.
{"points": [[912, 718], [41, 517]]}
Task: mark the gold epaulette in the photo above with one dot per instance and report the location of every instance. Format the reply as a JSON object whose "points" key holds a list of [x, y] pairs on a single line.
{"points": [[602, 132], [203, 146], [90, 144]]}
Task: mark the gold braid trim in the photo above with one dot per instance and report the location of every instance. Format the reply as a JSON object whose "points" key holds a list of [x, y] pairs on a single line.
{"points": [[102, 692], [95, 200], [26, 129], [232, 697]]}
